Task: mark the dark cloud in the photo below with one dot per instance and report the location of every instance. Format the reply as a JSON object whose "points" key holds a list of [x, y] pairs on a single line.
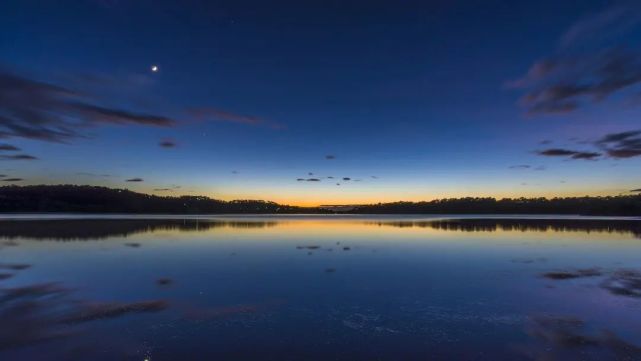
{"points": [[8, 147], [621, 145], [36, 110], [300, 179], [313, 180], [346, 178], [219, 115], [18, 157], [12, 180], [586, 155], [584, 70], [520, 166], [163, 190], [636, 190], [167, 143], [558, 152], [134, 180], [329, 156]]}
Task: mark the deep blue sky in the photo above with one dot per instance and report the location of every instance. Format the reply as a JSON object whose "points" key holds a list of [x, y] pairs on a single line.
{"points": [[422, 95]]}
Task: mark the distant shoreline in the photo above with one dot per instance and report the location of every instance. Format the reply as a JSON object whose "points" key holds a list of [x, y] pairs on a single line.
{"points": [[73, 199]]}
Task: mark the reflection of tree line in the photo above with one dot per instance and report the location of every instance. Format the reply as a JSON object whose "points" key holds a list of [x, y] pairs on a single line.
{"points": [[76, 230], [536, 225]]}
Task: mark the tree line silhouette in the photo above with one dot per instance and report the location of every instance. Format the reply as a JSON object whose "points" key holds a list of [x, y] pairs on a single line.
{"points": [[92, 199]]}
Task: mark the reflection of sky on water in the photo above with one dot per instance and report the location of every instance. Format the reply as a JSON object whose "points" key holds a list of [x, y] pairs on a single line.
{"points": [[336, 288]]}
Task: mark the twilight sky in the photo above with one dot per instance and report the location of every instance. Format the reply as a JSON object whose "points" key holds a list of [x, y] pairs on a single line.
{"points": [[394, 100]]}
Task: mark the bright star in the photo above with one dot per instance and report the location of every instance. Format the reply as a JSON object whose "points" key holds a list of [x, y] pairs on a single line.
{"points": [[154, 68]]}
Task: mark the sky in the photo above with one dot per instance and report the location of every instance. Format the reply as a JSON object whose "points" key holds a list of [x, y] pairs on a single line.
{"points": [[323, 102]]}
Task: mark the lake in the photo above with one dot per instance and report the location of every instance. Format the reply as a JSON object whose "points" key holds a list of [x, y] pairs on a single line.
{"points": [[319, 288]]}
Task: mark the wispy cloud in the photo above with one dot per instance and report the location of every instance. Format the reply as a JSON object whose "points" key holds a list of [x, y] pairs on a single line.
{"points": [[48, 112], [18, 157], [584, 70], [220, 115], [559, 152], [621, 145], [8, 147], [135, 180]]}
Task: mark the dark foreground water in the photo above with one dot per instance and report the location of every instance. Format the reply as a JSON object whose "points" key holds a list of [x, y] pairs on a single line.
{"points": [[320, 288]]}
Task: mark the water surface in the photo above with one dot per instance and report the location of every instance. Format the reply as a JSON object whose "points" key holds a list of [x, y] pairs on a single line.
{"points": [[319, 288]]}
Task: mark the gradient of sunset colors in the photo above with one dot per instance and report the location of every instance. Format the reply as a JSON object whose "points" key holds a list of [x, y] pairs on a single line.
{"points": [[411, 101]]}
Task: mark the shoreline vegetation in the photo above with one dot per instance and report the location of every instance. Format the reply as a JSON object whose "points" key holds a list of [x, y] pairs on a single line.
{"points": [[93, 199]]}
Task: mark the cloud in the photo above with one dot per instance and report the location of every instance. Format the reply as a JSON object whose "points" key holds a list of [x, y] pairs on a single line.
{"points": [[12, 180], [346, 178], [621, 145], [8, 147], [558, 152], [163, 190], [520, 166], [330, 157], [88, 174], [313, 180], [36, 110], [600, 26], [583, 71], [167, 143], [18, 157], [220, 115], [134, 180], [636, 190]]}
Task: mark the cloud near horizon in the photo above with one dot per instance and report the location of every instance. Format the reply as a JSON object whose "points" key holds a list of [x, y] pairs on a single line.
{"points": [[621, 145], [559, 152], [134, 180]]}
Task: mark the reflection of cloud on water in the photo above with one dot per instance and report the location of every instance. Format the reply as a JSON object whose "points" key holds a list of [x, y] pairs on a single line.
{"points": [[41, 312], [621, 282], [563, 338]]}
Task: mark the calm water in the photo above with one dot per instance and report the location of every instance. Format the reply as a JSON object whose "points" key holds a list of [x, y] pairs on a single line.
{"points": [[319, 288]]}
